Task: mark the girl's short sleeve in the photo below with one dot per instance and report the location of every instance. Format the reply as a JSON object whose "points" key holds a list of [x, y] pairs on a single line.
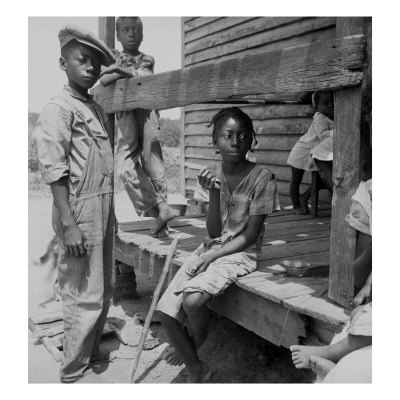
{"points": [[266, 198]]}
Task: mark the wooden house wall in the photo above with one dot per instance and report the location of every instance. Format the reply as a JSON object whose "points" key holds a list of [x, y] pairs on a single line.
{"points": [[278, 126]]}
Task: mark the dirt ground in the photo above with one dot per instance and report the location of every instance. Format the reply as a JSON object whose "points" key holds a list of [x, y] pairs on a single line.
{"points": [[235, 354]]}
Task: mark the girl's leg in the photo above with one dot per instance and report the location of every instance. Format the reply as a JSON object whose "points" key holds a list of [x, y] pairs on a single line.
{"points": [[183, 344], [297, 176], [198, 313]]}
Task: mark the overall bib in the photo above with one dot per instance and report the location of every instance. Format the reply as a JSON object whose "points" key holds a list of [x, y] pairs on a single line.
{"points": [[86, 282]]}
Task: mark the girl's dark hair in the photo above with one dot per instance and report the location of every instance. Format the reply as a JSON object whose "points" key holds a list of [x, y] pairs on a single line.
{"points": [[236, 113]]}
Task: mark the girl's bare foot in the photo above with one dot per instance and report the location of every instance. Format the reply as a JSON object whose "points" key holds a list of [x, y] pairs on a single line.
{"points": [[301, 354], [170, 356], [201, 374], [321, 366]]}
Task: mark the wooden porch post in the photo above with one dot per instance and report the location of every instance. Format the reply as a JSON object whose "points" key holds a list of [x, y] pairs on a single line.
{"points": [[182, 157], [107, 35], [346, 177]]}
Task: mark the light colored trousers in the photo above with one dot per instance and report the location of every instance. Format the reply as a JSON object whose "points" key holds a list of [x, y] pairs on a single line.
{"points": [[141, 156]]}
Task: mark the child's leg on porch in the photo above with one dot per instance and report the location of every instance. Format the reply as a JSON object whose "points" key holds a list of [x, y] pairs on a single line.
{"points": [[153, 166], [297, 176]]}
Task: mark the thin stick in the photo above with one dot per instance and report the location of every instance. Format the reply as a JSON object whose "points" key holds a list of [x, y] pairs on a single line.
{"points": [[153, 305]]}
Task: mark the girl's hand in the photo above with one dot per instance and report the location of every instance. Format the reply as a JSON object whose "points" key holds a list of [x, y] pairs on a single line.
{"points": [[75, 241], [201, 264], [208, 180]]}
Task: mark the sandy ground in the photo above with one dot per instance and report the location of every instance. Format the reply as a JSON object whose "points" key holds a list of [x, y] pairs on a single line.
{"points": [[235, 354]]}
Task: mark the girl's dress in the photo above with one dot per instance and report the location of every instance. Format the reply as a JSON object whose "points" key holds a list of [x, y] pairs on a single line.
{"points": [[256, 194], [300, 157]]}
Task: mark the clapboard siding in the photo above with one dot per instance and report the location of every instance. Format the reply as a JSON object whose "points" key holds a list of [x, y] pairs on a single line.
{"points": [[228, 30], [278, 126], [213, 28], [267, 40]]}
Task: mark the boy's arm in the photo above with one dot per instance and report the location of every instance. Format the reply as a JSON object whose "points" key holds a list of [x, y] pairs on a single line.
{"points": [[112, 73], [74, 240], [52, 138]]}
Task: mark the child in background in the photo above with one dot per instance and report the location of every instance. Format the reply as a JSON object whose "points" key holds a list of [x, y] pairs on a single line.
{"points": [[241, 195], [300, 157], [75, 153], [348, 358], [143, 169]]}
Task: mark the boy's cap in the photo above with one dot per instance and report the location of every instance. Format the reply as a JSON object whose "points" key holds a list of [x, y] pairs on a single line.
{"points": [[82, 35]]}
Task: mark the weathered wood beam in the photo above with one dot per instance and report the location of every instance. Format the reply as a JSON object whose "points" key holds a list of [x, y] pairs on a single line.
{"points": [[346, 177], [320, 65]]}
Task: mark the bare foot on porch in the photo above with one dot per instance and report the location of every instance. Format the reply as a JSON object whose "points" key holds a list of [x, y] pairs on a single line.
{"points": [[165, 214], [301, 355]]}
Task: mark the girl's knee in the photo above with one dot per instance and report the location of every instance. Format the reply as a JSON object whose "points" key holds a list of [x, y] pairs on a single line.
{"points": [[193, 302]]}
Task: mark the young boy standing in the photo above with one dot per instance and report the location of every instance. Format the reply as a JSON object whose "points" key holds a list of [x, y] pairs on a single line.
{"points": [[77, 162], [143, 170]]}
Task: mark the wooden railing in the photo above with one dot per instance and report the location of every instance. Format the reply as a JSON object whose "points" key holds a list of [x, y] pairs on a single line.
{"points": [[331, 65]]}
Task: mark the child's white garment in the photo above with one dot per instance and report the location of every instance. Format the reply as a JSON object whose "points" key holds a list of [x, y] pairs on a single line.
{"points": [[320, 129]]}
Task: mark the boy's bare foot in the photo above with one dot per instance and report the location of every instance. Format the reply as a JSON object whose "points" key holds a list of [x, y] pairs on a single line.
{"points": [[321, 366], [164, 232], [170, 356], [201, 374], [301, 355], [165, 214]]}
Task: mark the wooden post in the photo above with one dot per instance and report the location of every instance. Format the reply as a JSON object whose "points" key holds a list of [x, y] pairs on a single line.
{"points": [[346, 177], [107, 35], [183, 180]]}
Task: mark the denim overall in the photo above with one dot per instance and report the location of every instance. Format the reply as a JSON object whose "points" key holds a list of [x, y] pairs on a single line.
{"points": [[86, 282]]}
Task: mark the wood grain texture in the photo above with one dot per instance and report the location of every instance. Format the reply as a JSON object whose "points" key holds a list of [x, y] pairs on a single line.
{"points": [[213, 28], [267, 319], [229, 29], [320, 65], [265, 111], [346, 177], [286, 126], [327, 33], [197, 22], [267, 38]]}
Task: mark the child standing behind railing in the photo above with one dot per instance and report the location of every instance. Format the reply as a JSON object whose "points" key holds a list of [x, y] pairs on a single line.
{"points": [[300, 157]]}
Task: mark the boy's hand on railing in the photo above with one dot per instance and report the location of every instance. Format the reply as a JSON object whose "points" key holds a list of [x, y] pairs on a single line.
{"points": [[208, 180], [124, 72]]}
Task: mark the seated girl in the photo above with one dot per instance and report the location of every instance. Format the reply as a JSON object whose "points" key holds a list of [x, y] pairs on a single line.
{"points": [[241, 195]]}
